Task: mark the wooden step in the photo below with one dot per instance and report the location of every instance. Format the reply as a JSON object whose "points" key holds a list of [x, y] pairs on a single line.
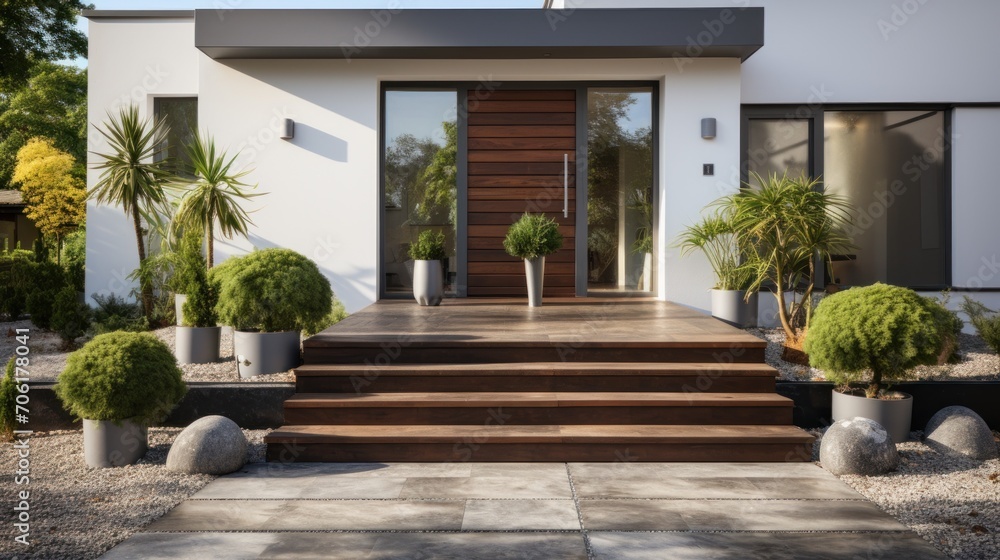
{"points": [[521, 408], [538, 443], [538, 376]]}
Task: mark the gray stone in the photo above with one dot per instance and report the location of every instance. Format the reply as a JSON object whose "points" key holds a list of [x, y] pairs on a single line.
{"points": [[210, 445], [858, 446], [957, 430]]}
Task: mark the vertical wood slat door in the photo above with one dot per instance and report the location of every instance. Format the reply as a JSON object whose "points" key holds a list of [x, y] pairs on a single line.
{"points": [[517, 141]]}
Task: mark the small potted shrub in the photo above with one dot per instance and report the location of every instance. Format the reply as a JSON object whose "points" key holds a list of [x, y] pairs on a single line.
{"points": [[531, 238], [428, 280], [269, 297], [197, 340], [188, 262], [865, 338], [119, 383]]}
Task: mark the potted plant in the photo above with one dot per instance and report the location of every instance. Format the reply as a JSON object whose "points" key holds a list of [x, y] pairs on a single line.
{"points": [[119, 383], [531, 238], [879, 331], [269, 297], [428, 280], [186, 263], [197, 340], [737, 267]]}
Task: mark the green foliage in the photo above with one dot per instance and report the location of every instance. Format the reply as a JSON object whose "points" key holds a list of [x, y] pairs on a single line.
{"points": [[883, 329], [121, 376], [187, 262], [336, 315], [74, 258], [202, 294], [55, 198], [641, 201], [736, 267], [47, 279], [428, 247], [986, 321], [436, 188], [24, 285], [272, 290], [70, 317], [36, 30], [114, 313], [8, 394], [949, 326], [532, 236]]}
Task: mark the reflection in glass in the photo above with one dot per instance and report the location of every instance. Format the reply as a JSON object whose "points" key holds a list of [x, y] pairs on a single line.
{"points": [[777, 146], [890, 165], [181, 116], [421, 139], [620, 189]]}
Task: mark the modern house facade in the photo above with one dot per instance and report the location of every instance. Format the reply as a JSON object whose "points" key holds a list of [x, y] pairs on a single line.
{"points": [[618, 119]]}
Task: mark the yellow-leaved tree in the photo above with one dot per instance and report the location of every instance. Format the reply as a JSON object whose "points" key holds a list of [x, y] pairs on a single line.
{"points": [[55, 198]]}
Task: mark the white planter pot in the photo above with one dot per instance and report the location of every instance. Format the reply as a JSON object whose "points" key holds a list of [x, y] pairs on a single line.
{"points": [[197, 345], [108, 445], [179, 300], [259, 353], [729, 306], [428, 282], [534, 271], [647, 272], [893, 415]]}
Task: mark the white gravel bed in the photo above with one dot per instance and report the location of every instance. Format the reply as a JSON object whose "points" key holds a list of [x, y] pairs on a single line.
{"points": [[953, 503], [978, 361], [78, 512], [48, 359]]}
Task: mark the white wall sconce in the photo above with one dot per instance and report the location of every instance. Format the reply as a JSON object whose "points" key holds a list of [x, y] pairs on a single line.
{"points": [[288, 130], [708, 128]]}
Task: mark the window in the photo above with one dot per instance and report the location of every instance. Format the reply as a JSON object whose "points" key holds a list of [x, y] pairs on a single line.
{"points": [[181, 116], [890, 165], [419, 180]]}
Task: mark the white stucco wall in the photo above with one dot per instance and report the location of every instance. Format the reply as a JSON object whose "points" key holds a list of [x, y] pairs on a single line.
{"points": [[975, 198]]}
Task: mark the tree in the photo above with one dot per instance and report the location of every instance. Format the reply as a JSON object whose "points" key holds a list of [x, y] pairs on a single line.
{"points": [[38, 30], [133, 177], [52, 103], [436, 186], [55, 198], [215, 195]]}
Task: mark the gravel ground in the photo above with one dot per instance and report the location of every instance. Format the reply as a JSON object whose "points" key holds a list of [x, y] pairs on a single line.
{"points": [[979, 362], [953, 503], [78, 512], [48, 359]]}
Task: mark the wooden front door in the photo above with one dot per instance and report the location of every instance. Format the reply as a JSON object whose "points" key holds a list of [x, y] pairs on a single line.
{"points": [[518, 142]]}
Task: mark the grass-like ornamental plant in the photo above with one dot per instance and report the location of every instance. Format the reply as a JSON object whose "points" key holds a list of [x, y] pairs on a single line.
{"points": [[533, 236], [736, 267], [986, 321], [121, 376], [881, 329], [272, 290], [428, 247]]}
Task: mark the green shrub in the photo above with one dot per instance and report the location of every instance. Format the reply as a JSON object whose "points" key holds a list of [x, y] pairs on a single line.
{"points": [[429, 246], [986, 321], [70, 317], [949, 326], [202, 298], [336, 315], [189, 262], [17, 270], [882, 329], [121, 376], [272, 290], [532, 236], [8, 394], [115, 313], [48, 279], [74, 258]]}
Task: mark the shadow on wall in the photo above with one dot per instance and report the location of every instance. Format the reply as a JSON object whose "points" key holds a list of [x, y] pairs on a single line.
{"points": [[319, 142]]}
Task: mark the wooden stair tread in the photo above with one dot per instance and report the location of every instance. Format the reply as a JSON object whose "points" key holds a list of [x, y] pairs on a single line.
{"points": [[590, 434], [534, 399], [542, 368], [607, 340]]}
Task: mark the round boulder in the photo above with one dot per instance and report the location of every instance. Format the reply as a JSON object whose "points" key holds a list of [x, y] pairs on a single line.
{"points": [[957, 430], [858, 446], [210, 445]]}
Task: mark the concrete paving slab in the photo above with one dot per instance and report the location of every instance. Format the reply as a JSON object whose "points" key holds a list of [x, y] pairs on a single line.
{"points": [[804, 488], [482, 546], [320, 546], [533, 471], [486, 487], [669, 488], [370, 515], [520, 515], [696, 470], [219, 515], [761, 546], [354, 470], [323, 486], [192, 546]]}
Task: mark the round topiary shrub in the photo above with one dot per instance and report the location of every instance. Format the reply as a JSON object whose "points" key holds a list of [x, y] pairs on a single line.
{"points": [[272, 290], [885, 330], [532, 236], [121, 376]]}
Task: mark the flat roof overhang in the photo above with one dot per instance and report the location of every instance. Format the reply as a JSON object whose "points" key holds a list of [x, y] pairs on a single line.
{"points": [[479, 33]]}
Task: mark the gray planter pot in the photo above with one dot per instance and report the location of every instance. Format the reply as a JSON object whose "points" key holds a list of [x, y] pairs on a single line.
{"points": [[647, 272], [197, 345], [179, 300], [260, 353], [534, 270], [729, 306], [893, 415], [108, 445], [428, 282]]}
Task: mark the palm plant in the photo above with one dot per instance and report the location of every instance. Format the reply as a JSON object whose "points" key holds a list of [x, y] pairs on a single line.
{"points": [[791, 223], [133, 175], [736, 266], [214, 196]]}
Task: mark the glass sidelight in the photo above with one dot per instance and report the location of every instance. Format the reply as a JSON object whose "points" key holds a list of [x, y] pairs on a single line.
{"points": [[620, 209]]}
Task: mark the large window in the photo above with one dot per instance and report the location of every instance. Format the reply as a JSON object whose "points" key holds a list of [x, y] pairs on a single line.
{"points": [[181, 117], [419, 180], [890, 165]]}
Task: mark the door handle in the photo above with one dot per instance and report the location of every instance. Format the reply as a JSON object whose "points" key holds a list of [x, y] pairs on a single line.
{"points": [[565, 185]]}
